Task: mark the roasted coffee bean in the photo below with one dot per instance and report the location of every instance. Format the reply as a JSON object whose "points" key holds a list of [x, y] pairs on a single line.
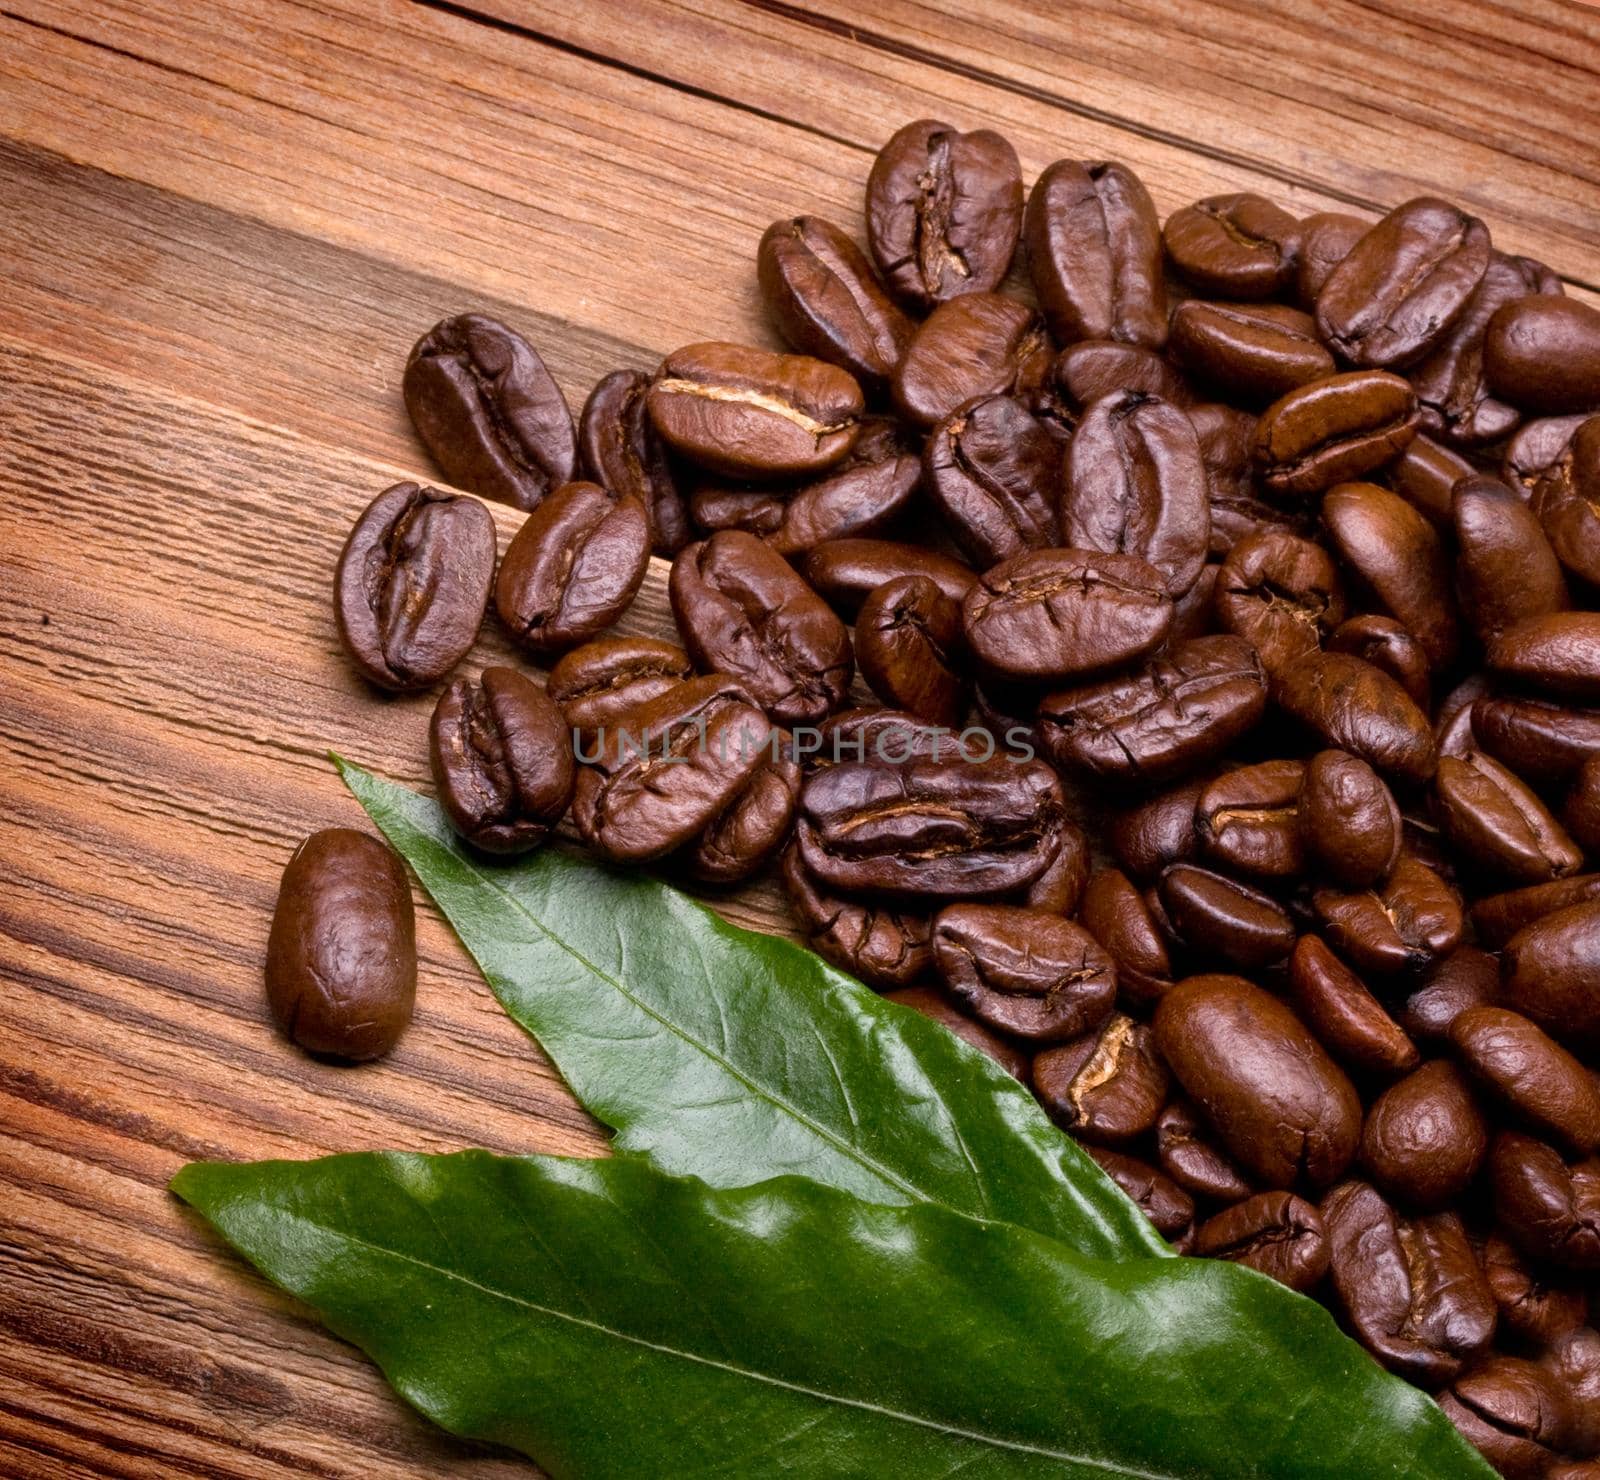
{"points": [[1115, 913], [1282, 1108], [1467, 977], [1349, 822], [1347, 1019], [934, 1005], [1567, 501], [930, 829], [1059, 889], [1194, 613], [1107, 1085], [1333, 430], [1506, 569], [867, 492], [1136, 485], [845, 572], [909, 646], [1404, 923], [982, 345], [1532, 1308], [1248, 352], [1325, 241], [749, 413], [1397, 556], [943, 212], [1094, 252], [1574, 1361], [1227, 445], [715, 506], [1581, 809], [573, 568], [1552, 973], [1353, 706], [1401, 287], [1387, 645], [1160, 1199], [1149, 835], [1499, 917], [622, 452], [412, 584], [1425, 1138], [1249, 819], [502, 761], [1024, 972], [820, 290], [994, 472], [1542, 354], [1172, 714], [1425, 475], [1282, 594], [743, 611], [1452, 721], [1091, 368], [887, 948], [754, 826], [1558, 654], [1531, 1075], [1549, 1209], [1189, 1158], [1498, 822], [489, 412], [1274, 1233], [1220, 918], [1411, 1288], [1235, 246], [1051, 614], [342, 956], [1514, 1414], [1545, 742], [1536, 448]]}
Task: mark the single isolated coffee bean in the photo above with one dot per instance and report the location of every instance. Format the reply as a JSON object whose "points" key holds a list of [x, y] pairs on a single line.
{"points": [[984, 344], [909, 645], [1498, 821], [888, 948], [943, 212], [1217, 917], [1188, 1156], [1281, 593], [1235, 246], [1251, 353], [1549, 1208], [1353, 706], [1567, 502], [1425, 1138], [1347, 1019], [1274, 1233], [1249, 819], [502, 761], [1106, 1086], [342, 956], [1542, 354], [1528, 1072], [1159, 1198], [934, 1005], [412, 584], [488, 410], [621, 452], [1557, 654], [845, 572], [596, 683], [1349, 821], [1333, 430], [573, 568], [753, 827], [1116, 914], [1384, 643], [1404, 923], [1506, 570]]}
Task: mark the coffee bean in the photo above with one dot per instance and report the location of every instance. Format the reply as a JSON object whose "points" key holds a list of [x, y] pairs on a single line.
{"points": [[865, 493], [488, 410], [943, 212], [886, 947], [1386, 645], [1550, 1209], [1558, 653], [753, 827], [1333, 430], [621, 452], [1567, 502], [412, 584], [716, 506], [1249, 819], [1498, 822], [934, 1005], [1545, 742], [595, 683], [1149, 835], [1452, 722], [1192, 1161], [1581, 809], [1467, 977], [1513, 1413], [1542, 354], [845, 572], [502, 761], [1498, 917], [1404, 923], [1536, 448], [1552, 972], [1273, 1233], [1160, 1199], [1347, 1019], [1425, 1138], [1425, 475], [1325, 241], [1088, 369], [1219, 918], [1519, 1065], [1059, 889], [1115, 913], [1349, 823], [1234, 246], [342, 956], [909, 645], [1094, 252], [875, 734], [1573, 1360], [1251, 353], [1533, 1308], [984, 344], [1351, 705], [1506, 569], [1282, 594], [1107, 1086]]}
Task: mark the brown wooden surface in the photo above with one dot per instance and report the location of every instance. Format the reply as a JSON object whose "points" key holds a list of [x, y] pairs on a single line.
{"points": [[221, 227]]}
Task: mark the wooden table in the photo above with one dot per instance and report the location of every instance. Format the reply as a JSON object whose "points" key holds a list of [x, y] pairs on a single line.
{"points": [[221, 228]]}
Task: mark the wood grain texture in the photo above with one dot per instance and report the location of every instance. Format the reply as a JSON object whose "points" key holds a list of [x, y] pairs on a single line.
{"points": [[223, 227]]}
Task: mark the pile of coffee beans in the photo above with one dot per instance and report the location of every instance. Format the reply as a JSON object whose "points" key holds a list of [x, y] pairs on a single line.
{"points": [[1231, 588]]}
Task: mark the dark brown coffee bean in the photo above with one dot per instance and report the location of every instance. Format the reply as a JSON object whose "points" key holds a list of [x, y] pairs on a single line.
{"points": [[1024, 972], [1235, 246], [878, 734], [1094, 252], [1059, 889], [1536, 448], [845, 572], [743, 611], [1550, 1210], [820, 290], [1221, 919], [1248, 819], [1452, 722], [1532, 1308], [1333, 430], [1194, 613], [1552, 973], [1282, 1108], [1545, 742], [994, 472], [1425, 475], [573, 568], [749, 413], [716, 506], [1402, 286], [1115, 913], [1573, 1360], [342, 956], [1506, 570], [1500, 916], [934, 1005], [1091, 368], [489, 412], [1558, 654], [1411, 1288], [1349, 822], [412, 584], [887, 948], [865, 493], [982, 345], [753, 827], [1512, 1413], [1404, 923], [1467, 977], [1274, 1233], [502, 761], [930, 829], [1356, 707], [1160, 1199], [1325, 241], [1567, 502], [1136, 485], [909, 646], [1581, 809], [1384, 643], [1149, 835], [943, 212], [1172, 714], [1106, 1086], [1249, 352], [1528, 1072], [1499, 822], [1227, 443], [1051, 614], [1282, 594], [1347, 1019], [1190, 1159], [1542, 354], [621, 452], [1425, 1138]]}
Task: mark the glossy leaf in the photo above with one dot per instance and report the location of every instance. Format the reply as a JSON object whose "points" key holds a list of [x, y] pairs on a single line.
{"points": [[734, 1057], [609, 1321]]}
